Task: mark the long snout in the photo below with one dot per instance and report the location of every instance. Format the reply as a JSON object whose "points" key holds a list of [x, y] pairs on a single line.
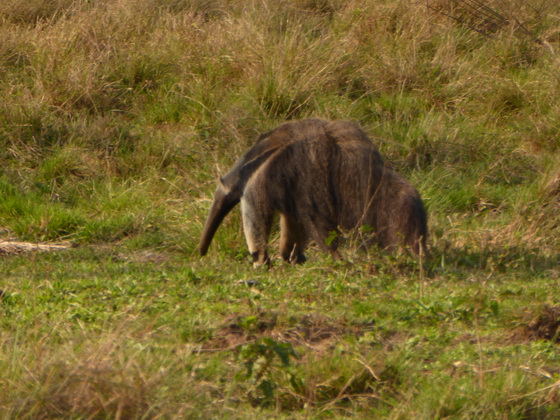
{"points": [[222, 205]]}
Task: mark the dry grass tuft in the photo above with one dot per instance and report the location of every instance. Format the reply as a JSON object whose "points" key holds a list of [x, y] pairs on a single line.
{"points": [[94, 383], [92, 391]]}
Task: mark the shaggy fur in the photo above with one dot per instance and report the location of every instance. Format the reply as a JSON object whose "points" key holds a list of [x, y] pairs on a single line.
{"points": [[322, 177]]}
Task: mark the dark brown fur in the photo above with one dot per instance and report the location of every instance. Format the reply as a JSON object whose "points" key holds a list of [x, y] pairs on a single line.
{"points": [[322, 177]]}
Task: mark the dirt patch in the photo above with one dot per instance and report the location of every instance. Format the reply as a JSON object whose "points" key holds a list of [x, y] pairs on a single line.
{"points": [[310, 331], [240, 329], [15, 247], [315, 329], [464, 338], [143, 257], [542, 325]]}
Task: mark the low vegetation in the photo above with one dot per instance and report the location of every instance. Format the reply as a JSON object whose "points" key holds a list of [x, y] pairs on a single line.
{"points": [[116, 118]]}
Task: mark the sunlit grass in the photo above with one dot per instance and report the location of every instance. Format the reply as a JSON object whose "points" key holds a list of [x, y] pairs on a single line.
{"points": [[116, 119]]}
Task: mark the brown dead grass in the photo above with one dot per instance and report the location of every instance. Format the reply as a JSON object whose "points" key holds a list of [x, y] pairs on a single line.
{"points": [[89, 381], [94, 391]]}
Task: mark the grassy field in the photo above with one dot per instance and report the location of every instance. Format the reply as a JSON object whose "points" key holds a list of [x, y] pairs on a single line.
{"points": [[116, 119]]}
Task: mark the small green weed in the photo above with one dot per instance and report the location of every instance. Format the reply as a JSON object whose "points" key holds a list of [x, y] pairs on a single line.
{"points": [[267, 362]]}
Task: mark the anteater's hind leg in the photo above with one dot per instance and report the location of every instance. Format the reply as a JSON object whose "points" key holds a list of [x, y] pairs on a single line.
{"points": [[293, 240]]}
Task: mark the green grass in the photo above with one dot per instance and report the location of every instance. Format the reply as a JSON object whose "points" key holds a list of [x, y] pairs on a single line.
{"points": [[116, 120], [109, 329]]}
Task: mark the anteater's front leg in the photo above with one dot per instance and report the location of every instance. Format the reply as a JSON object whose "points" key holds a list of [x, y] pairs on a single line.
{"points": [[257, 222]]}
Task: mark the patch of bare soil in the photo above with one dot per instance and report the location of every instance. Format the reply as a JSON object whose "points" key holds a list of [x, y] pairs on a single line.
{"points": [[315, 331], [144, 257], [14, 247], [238, 330], [542, 325], [116, 253]]}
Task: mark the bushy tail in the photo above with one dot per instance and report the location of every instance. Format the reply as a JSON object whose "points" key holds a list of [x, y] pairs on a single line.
{"points": [[419, 224]]}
